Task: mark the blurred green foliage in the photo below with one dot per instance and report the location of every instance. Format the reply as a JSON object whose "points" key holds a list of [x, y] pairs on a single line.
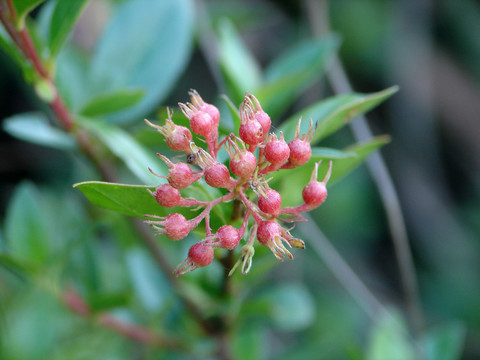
{"points": [[148, 54]]}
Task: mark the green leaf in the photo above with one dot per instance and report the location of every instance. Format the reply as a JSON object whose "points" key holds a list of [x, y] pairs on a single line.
{"points": [[23, 8], [249, 342], [342, 167], [292, 307], [35, 128], [445, 342], [64, 17], [146, 45], [343, 163], [233, 111], [334, 113], [134, 155], [9, 48], [25, 226], [389, 339], [112, 102], [319, 153], [293, 72], [242, 72], [131, 200], [150, 285]]}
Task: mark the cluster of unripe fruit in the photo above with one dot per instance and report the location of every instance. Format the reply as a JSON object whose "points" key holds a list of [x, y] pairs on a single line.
{"points": [[254, 153]]}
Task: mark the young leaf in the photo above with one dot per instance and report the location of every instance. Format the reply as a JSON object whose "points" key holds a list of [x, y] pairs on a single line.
{"points": [[342, 167], [445, 342], [146, 45], [151, 286], [112, 102], [333, 113], [25, 226], [233, 111], [389, 339], [131, 200], [239, 67], [295, 71], [35, 128], [64, 16], [319, 153], [135, 157], [22, 8]]}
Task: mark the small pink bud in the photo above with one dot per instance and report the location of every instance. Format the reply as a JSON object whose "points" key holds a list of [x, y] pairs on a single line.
{"points": [[242, 162], [180, 175], [227, 237], [260, 115], [167, 196], [174, 226], [177, 137], [199, 255], [217, 176], [315, 192], [276, 150], [270, 203], [210, 109], [250, 131], [300, 150], [270, 234]]}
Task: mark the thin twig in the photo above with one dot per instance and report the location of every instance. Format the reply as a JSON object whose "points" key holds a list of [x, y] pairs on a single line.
{"points": [[75, 303], [376, 165], [23, 41]]}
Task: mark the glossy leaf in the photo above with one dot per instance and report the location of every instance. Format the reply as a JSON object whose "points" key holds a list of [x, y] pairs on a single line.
{"points": [[7, 46], [334, 113], [131, 200], [26, 231], [35, 128], [292, 307], [150, 285], [445, 342], [112, 102], [145, 45], [234, 112], [319, 153], [23, 8], [242, 72], [293, 72], [342, 165], [135, 157], [389, 339], [63, 19]]}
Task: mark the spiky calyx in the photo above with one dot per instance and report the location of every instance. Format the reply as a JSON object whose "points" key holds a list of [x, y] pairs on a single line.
{"points": [[199, 255], [315, 192], [270, 203]]}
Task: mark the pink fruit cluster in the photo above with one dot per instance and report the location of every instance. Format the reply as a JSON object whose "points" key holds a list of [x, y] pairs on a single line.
{"points": [[254, 154]]}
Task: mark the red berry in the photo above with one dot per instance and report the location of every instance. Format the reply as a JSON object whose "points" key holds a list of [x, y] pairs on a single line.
{"points": [[267, 232], [227, 237], [276, 150], [177, 137], [217, 176], [201, 123], [180, 176], [212, 110], [300, 152], [167, 196], [251, 132], [243, 164], [201, 255], [176, 227], [270, 203], [315, 192], [260, 115]]}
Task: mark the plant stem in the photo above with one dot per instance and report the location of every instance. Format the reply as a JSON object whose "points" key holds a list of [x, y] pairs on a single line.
{"points": [[23, 41], [75, 303], [376, 165]]}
